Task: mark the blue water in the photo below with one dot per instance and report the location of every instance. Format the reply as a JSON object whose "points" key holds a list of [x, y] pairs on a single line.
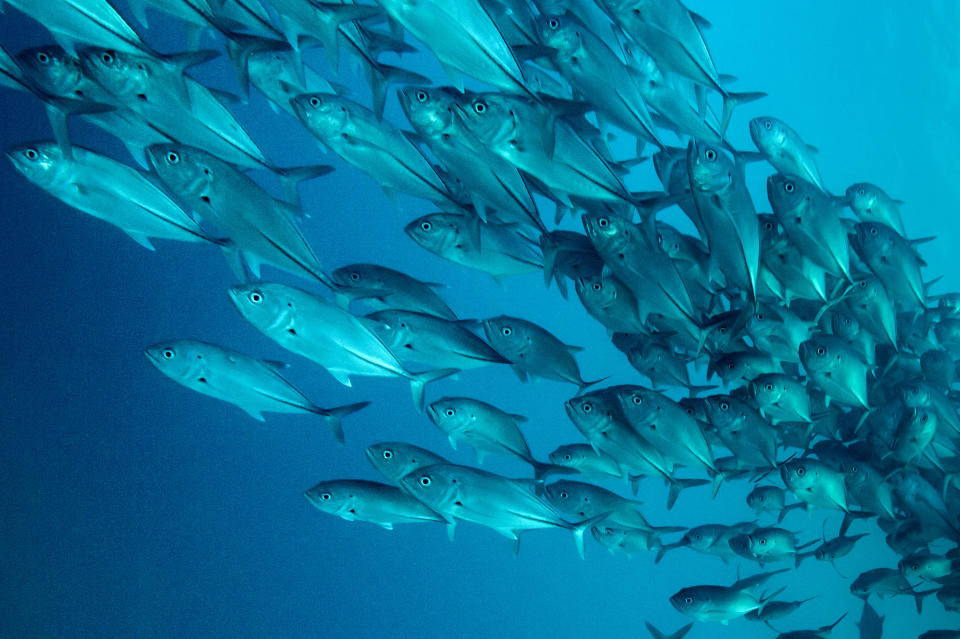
{"points": [[133, 507]]}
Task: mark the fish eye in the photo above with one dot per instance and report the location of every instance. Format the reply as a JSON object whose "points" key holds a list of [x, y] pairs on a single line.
{"points": [[325, 496], [426, 226], [821, 350], [567, 457], [480, 107], [767, 124], [760, 316], [554, 23], [788, 187], [916, 567], [923, 419], [596, 286], [587, 407], [861, 192], [874, 231], [107, 57], [801, 471], [768, 387], [256, 297], [506, 331], [31, 153], [563, 494], [315, 102], [637, 400], [42, 57], [355, 276], [768, 226], [688, 600], [422, 96], [710, 155], [168, 354], [424, 481], [603, 222], [724, 406], [449, 412], [763, 542], [387, 453], [173, 157]]}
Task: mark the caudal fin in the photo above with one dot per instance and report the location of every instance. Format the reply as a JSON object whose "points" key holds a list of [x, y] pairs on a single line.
{"points": [[333, 416], [579, 528], [676, 485], [679, 634], [419, 380], [731, 101]]}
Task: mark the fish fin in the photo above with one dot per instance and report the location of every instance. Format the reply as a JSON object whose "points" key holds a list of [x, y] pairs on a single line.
{"points": [[382, 75], [419, 380], [253, 264], [253, 412], [141, 239], [521, 374], [679, 634], [341, 376], [453, 442], [386, 525], [139, 10], [676, 485], [451, 529], [61, 132], [274, 364], [574, 349], [542, 469], [581, 527], [731, 101], [333, 416]]}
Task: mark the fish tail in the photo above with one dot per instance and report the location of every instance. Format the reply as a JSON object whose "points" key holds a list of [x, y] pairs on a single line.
{"points": [[333, 416], [679, 634], [542, 469], [419, 380], [850, 516], [731, 101], [676, 485]]}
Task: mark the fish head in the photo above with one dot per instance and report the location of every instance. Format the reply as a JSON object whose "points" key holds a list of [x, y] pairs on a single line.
{"points": [[39, 162], [187, 171], [559, 31], [329, 497], [270, 67], [267, 306], [767, 389], [608, 233], [571, 456], [178, 359], [451, 414], [640, 406], [569, 497], [788, 194], [711, 169], [799, 474], [818, 355], [845, 325], [863, 197], [53, 70], [949, 304], [438, 232], [125, 75], [357, 276], [324, 114], [873, 238], [391, 327], [395, 460], [769, 229], [596, 290], [769, 134], [911, 567], [690, 601], [509, 336], [436, 485], [589, 413], [672, 241], [431, 110], [491, 117], [721, 411]]}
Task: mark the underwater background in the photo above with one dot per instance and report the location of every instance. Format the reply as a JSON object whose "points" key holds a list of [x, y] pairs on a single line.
{"points": [[133, 507]]}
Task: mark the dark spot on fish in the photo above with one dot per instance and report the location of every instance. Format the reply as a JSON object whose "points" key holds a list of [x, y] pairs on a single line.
{"points": [[202, 380], [142, 96], [292, 331], [205, 199]]}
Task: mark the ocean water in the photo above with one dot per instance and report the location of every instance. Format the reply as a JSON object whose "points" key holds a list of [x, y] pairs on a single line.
{"points": [[133, 507]]}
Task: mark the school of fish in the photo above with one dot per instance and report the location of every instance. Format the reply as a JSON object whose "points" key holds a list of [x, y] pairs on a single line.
{"points": [[830, 368]]}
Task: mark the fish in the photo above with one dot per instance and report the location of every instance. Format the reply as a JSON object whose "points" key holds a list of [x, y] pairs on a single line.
{"points": [[716, 603], [395, 460], [785, 150], [533, 351], [322, 332], [254, 385], [369, 501], [813, 482], [498, 249], [89, 21], [872, 204], [679, 634], [770, 499], [871, 623], [892, 259], [385, 288], [107, 190], [837, 369], [508, 506], [819, 633], [262, 228], [486, 429]]}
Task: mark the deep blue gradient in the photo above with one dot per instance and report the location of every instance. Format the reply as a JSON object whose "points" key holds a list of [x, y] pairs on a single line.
{"points": [[133, 507]]}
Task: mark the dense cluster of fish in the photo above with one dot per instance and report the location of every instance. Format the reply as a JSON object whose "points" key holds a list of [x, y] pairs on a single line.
{"points": [[836, 366]]}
